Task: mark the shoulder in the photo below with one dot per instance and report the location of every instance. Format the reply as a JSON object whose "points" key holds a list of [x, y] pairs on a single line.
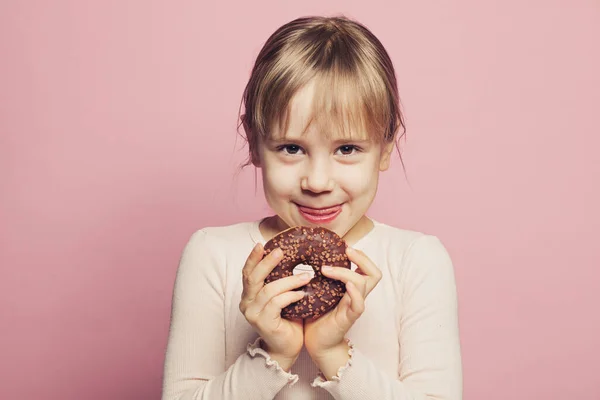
{"points": [[406, 241], [224, 235], [219, 241], [411, 251], [211, 249], [391, 236]]}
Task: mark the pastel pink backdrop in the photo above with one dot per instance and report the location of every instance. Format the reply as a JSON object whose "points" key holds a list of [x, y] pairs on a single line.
{"points": [[117, 141]]}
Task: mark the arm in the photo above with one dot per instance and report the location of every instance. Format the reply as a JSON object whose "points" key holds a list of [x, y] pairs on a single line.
{"points": [[430, 362], [195, 357]]}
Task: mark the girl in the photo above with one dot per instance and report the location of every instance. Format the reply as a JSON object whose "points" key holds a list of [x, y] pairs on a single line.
{"points": [[321, 119]]}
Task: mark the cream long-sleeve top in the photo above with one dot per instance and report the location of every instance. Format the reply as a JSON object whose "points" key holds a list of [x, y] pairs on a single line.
{"points": [[405, 346]]}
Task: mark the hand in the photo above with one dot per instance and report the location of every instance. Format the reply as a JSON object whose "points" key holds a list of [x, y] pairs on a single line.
{"points": [[325, 336], [262, 304]]}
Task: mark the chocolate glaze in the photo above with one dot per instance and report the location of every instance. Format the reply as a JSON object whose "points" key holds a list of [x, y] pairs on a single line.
{"points": [[315, 247]]}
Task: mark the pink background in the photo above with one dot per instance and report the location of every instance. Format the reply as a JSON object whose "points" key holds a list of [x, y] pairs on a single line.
{"points": [[117, 141]]}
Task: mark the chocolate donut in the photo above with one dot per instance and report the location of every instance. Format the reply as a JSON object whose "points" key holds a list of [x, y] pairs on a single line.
{"points": [[315, 247]]}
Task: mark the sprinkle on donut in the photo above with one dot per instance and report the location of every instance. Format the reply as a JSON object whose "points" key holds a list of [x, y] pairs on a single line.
{"points": [[315, 247]]}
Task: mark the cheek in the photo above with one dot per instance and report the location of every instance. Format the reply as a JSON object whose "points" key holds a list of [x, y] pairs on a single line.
{"points": [[278, 180], [359, 179]]}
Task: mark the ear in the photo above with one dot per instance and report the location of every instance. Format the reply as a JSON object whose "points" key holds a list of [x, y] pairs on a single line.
{"points": [[254, 156], [386, 155]]}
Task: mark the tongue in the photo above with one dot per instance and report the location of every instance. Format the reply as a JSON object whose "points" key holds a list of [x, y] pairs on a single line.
{"points": [[324, 211]]}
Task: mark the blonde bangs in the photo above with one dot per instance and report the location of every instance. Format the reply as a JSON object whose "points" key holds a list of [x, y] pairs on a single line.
{"points": [[346, 104], [355, 93]]}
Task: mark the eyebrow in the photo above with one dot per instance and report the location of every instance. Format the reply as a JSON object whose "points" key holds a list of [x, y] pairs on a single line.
{"points": [[350, 140], [336, 142]]}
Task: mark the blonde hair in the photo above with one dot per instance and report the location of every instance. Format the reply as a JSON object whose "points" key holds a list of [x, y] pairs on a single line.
{"points": [[356, 85]]}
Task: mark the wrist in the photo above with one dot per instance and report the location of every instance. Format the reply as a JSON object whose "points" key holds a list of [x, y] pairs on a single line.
{"points": [[331, 360], [285, 361], [338, 349]]}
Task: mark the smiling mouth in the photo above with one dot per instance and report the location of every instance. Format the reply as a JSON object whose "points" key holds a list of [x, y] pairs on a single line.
{"points": [[319, 215]]}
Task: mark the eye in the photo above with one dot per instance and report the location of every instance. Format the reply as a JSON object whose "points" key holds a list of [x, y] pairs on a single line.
{"points": [[348, 149], [291, 149]]}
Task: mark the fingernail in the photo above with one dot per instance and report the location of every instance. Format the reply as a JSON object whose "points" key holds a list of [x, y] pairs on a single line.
{"points": [[305, 276], [277, 252], [326, 268], [350, 250]]}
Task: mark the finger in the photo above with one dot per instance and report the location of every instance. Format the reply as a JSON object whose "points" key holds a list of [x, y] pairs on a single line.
{"points": [[357, 302], [280, 286], [365, 267], [364, 263], [254, 281], [254, 258], [266, 265], [273, 308], [345, 275], [350, 308]]}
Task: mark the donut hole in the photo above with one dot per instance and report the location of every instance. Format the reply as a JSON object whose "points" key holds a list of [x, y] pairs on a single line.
{"points": [[301, 268]]}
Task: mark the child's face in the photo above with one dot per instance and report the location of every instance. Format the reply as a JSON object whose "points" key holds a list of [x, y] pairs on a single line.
{"points": [[306, 171]]}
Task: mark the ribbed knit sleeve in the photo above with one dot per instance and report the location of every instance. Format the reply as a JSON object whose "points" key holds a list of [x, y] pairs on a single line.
{"points": [[195, 361], [429, 361]]}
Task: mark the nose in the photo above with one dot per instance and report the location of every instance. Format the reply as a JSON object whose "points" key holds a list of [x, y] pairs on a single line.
{"points": [[317, 177]]}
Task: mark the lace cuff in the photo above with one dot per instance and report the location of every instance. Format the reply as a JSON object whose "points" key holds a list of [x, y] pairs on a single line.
{"points": [[254, 349], [321, 381]]}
